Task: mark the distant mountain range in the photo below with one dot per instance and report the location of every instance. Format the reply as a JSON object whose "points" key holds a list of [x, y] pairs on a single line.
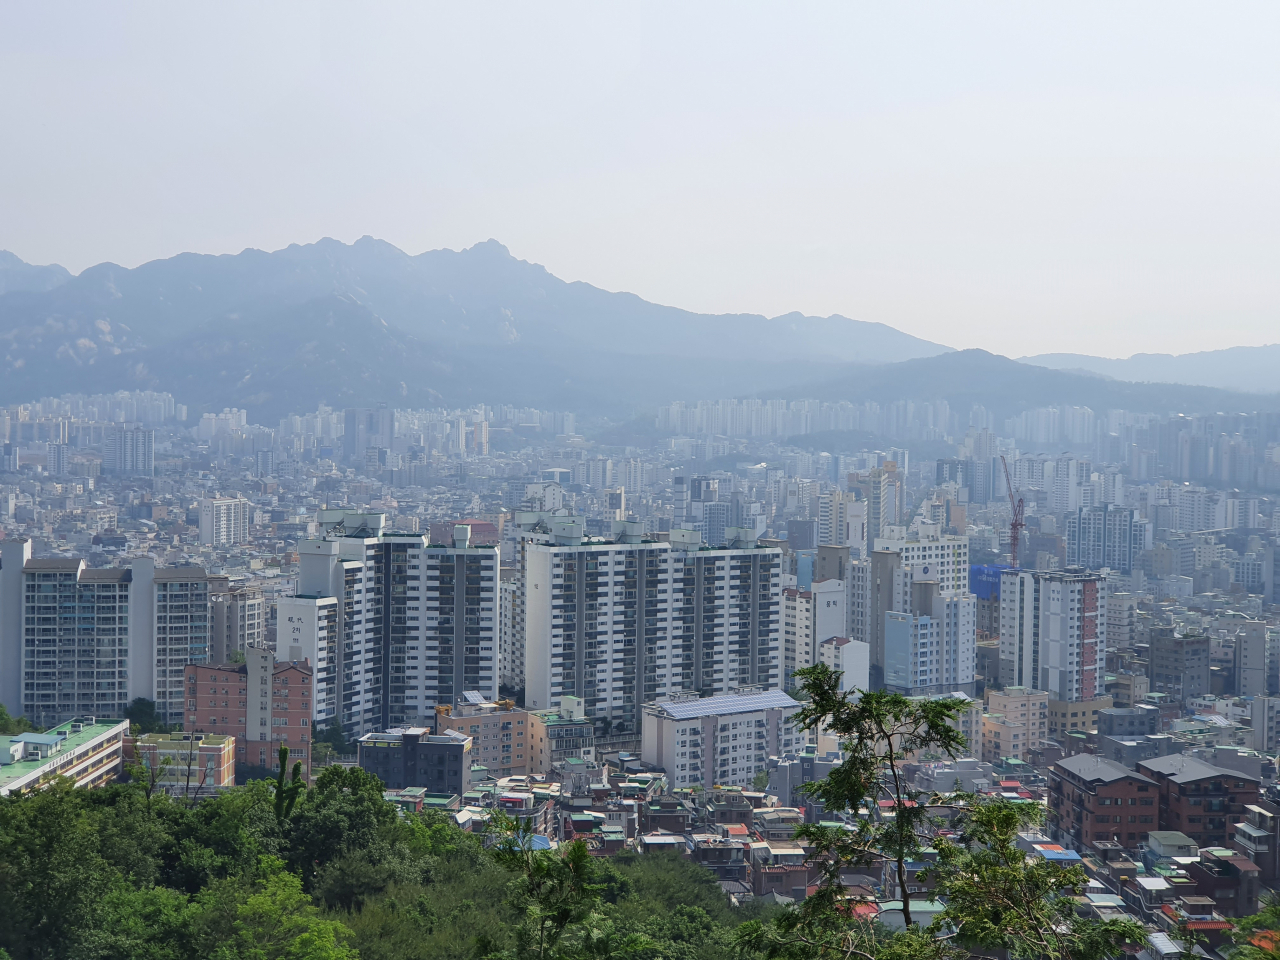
{"points": [[349, 324], [366, 321], [1253, 369]]}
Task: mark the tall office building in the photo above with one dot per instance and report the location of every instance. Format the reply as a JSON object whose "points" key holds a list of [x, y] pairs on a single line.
{"points": [[1053, 632], [624, 622], [224, 521], [130, 452]]}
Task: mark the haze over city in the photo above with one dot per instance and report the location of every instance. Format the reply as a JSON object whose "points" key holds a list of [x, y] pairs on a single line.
{"points": [[581, 482]]}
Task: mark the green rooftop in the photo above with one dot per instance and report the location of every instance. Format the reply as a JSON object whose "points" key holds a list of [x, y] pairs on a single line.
{"points": [[55, 745]]}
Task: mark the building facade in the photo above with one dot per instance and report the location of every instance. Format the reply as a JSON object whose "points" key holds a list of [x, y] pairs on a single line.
{"points": [[224, 521], [415, 757], [624, 622], [1092, 800], [1053, 632], [725, 740], [261, 703]]}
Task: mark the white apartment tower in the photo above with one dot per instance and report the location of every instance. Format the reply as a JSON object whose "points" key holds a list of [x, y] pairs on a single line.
{"points": [[910, 602], [627, 621], [797, 633], [1053, 632], [224, 521]]}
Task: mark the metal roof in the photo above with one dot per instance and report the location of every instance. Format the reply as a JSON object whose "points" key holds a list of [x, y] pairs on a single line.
{"points": [[730, 703], [1180, 769]]}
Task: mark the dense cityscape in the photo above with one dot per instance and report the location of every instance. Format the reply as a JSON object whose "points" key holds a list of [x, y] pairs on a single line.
{"points": [[497, 615], [639, 482]]}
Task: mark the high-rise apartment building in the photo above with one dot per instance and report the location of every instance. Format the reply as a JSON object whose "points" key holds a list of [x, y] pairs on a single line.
{"points": [[418, 623], [923, 640], [842, 520], [224, 521], [59, 459], [1053, 632], [71, 642], [510, 633], [1106, 536], [797, 633], [237, 617], [179, 630], [623, 622], [130, 452]]}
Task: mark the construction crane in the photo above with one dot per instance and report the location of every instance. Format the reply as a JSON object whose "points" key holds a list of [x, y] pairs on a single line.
{"points": [[1018, 505]]}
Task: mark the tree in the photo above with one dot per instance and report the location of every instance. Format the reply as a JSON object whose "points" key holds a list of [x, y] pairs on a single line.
{"points": [[286, 794], [12, 726], [554, 888], [1258, 937], [878, 732], [143, 718], [999, 899], [274, 921], [996, 898], [760, 781], [147, 771]]}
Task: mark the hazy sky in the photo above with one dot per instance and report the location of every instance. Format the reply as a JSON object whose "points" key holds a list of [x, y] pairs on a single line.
{"points": [[1100, 178]]}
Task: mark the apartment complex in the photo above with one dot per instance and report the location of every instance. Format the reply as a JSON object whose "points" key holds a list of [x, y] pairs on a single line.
{"points": [[626, 621], [415, 623]]}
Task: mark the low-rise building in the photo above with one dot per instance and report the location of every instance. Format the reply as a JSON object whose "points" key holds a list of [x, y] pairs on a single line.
{"points": [[415, 757], [1068, 715], [724, 740], [556, 736], [192, 765], [1257, 837], [88, 750], [1095, 801], [500, 733]]}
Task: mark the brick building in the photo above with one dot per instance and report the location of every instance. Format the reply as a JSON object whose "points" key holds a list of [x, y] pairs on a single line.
{"points": [[1203, 801], [260, 702], [1093, 800], [499, 732]]}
